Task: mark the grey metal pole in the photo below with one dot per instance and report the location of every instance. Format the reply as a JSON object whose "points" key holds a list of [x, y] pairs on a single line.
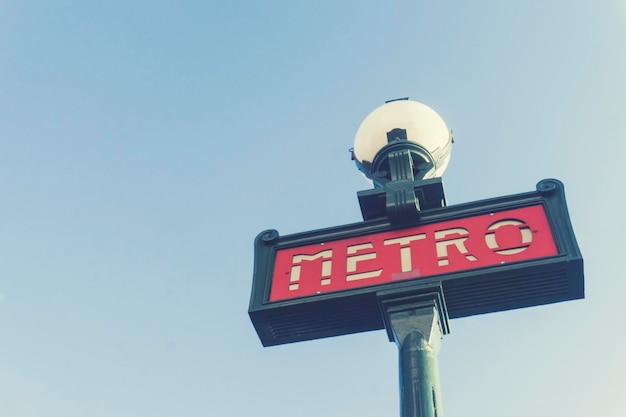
{"points": [[418, 334]]}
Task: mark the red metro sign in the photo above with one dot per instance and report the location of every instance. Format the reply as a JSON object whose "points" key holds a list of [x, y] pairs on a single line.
{"points": [[499, 254], [412, 253]]}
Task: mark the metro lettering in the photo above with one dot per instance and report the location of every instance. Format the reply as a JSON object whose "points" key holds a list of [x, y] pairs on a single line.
{"points": [[415, 252]]}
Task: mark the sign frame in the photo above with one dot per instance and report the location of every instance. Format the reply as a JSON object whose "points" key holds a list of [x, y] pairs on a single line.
{"points": [[469, 292]]}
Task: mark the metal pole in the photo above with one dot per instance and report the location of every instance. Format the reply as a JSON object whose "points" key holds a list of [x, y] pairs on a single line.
{"points": [[418, 334]]}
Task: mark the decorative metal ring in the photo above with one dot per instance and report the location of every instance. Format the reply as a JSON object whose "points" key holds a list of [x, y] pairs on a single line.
{"points": [[269, 235], [548, 186]]}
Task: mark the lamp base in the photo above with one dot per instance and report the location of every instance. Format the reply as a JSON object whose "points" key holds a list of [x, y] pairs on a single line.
{"points": [[402, 199]]}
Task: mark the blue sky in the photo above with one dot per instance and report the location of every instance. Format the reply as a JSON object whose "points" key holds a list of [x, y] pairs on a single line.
{"points": [[144, 145]]}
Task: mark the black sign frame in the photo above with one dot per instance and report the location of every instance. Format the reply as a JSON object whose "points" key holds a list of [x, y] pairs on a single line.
{"points": [[478, 291]]}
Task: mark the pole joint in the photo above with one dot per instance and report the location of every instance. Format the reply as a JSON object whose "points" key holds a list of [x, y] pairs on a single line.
{"points": [[416, 322]]}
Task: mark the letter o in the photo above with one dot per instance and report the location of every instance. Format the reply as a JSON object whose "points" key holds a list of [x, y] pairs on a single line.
{"points": [[526, 237]]}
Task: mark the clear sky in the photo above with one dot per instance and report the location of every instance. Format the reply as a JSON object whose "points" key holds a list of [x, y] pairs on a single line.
{"points": [[144, 145]]}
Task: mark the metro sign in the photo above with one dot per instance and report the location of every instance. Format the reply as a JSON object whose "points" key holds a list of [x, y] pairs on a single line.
{"points": [[413, 253], [498, 254]]}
